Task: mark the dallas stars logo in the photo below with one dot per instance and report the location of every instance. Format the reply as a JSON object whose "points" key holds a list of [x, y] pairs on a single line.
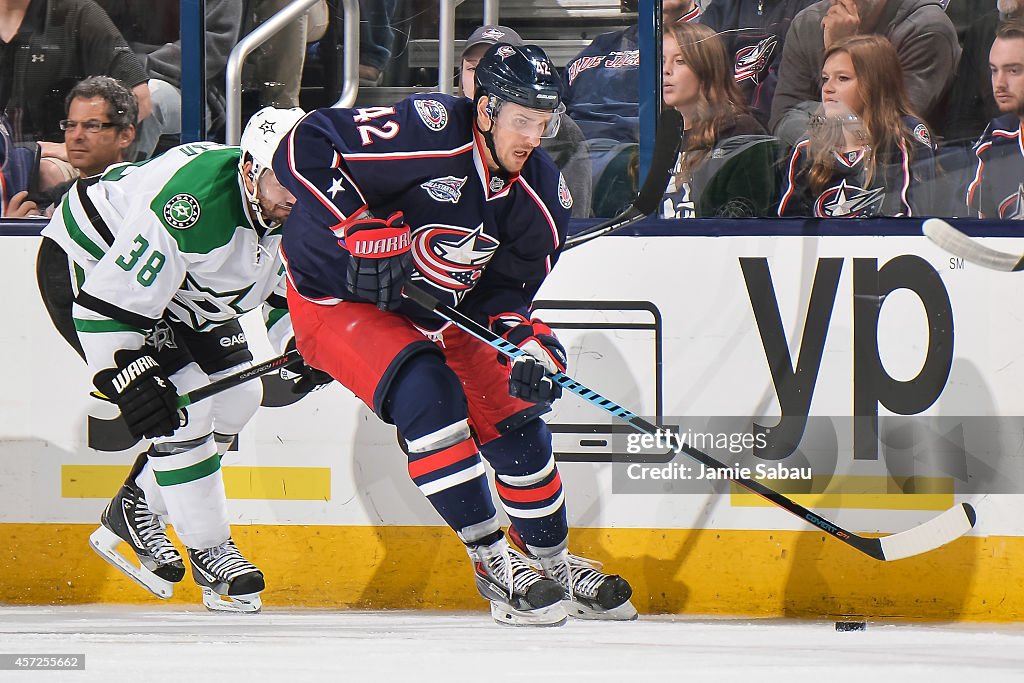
{"points": [[181, 211], [267, 127], [201, 307]]}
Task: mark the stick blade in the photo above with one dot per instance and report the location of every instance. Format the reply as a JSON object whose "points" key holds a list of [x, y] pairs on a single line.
{"points": [[956, 242], [935, 533]]}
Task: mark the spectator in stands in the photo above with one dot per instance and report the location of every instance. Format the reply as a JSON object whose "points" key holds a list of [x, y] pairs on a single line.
{"points": [[868, 155], [971, 104], [376, 39], [276, 65], [568, 148], [725, 164], [997, 189], [98, 132], [46, 46], [600, 83], [152, 31], [16, 167], [754, 32], [923, 36]]}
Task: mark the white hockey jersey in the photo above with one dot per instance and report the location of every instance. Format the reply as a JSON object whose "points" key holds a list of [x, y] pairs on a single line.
{"points": [[169, 236]]}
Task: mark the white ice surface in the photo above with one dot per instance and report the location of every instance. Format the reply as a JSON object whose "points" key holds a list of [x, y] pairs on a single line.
{"points": [[188, 645]]}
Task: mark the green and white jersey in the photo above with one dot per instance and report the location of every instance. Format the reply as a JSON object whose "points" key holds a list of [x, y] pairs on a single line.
{"points": [[167, 236]]}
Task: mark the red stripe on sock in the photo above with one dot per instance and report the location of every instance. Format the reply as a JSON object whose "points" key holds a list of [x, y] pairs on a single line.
{"points": [[529, 495], [432, 463]]}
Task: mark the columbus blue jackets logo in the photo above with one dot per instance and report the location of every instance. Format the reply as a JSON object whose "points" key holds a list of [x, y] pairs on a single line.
{"points": [[564, 196], [452, 258], [849, 201], [433, 114], [923, 135], [1012, 208], [752, 60], [506, 51], [447, 189]]}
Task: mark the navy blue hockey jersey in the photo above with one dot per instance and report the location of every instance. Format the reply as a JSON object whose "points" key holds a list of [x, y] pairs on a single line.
{"points": [[481, 242], [901, 185], [997, 190]]}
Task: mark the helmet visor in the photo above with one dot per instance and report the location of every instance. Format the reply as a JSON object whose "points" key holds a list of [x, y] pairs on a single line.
{"points": [[537, 123]]}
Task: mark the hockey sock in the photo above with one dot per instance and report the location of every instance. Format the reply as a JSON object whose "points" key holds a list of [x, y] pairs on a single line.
{"points": [[189, 476], [426, 402], [529, 486]]}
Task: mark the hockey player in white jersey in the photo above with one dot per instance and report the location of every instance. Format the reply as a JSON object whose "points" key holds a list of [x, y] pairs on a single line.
{"points": [[164, 257]]}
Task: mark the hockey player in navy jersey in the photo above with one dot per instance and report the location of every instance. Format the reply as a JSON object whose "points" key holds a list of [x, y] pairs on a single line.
{"points": [[997, 189], [450, 195], [164, 256]]}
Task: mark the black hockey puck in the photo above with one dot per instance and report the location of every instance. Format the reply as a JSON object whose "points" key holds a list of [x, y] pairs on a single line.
{"points": [[851, 625]]}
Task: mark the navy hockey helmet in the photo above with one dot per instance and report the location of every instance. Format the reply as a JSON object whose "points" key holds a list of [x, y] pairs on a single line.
{"points": [[522, 74]]}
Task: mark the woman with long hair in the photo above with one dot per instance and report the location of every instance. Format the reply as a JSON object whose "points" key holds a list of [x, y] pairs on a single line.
{"points": [[868, 154], [712, 177]]}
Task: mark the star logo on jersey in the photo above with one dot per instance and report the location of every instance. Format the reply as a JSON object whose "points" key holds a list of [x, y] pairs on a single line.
{"points": [[752, 60], [161, 336], [267, 127], [201, 307], [848, 201], [452, 258], [432, 113], [181, 211], [1012, 208], [337, 185], [447, 189]]}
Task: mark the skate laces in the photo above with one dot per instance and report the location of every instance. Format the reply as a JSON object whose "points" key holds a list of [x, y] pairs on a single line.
{"points": [[508, 568], [225, 561], [578, 575], [150, 529]]}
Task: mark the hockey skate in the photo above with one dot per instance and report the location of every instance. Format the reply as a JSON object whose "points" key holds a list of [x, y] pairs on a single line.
{"points": [[230, 583], [588, 592], [128, 519], [518, 593]]}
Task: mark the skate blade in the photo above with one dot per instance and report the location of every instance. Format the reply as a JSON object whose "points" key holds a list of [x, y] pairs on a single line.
{"points": [[506, 615], [624, 612], [239, 604], [105, 543]]}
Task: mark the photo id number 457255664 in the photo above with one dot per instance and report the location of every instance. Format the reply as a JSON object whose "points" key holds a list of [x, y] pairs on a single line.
{"points": [[25, 662]]}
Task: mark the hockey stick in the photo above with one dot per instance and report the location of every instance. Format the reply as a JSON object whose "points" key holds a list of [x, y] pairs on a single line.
{"points": [[956, 242], [234, 380], [934, 533], [666, 149]]}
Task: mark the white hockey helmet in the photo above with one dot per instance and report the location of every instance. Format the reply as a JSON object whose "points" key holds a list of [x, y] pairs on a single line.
{"points": [[262, 134]]}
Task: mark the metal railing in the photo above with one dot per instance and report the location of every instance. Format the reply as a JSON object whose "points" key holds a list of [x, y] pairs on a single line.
{"points": [[446, 40], [262, 33]]}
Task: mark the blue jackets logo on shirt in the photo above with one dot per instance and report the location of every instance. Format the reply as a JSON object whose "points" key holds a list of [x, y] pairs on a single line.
{"points": [[752, 60], [447, 189], [433, 114], [452, 258], [849, 201]]}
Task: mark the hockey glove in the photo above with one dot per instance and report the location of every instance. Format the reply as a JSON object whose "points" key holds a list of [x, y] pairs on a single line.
{"points": [[380, 261], [147, 399], [308, 378], [528, 378]]}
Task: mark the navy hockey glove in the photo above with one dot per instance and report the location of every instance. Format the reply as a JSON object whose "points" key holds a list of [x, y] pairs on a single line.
{"points": [[380, 261], [528, 378], [147, 399], [309, 378]]}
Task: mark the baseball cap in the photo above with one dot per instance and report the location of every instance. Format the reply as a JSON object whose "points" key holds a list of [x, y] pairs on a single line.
{"points": [[492, 35]]}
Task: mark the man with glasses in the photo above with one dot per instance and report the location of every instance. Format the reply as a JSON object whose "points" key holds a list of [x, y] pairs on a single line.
{"points": [[452, 196]]}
